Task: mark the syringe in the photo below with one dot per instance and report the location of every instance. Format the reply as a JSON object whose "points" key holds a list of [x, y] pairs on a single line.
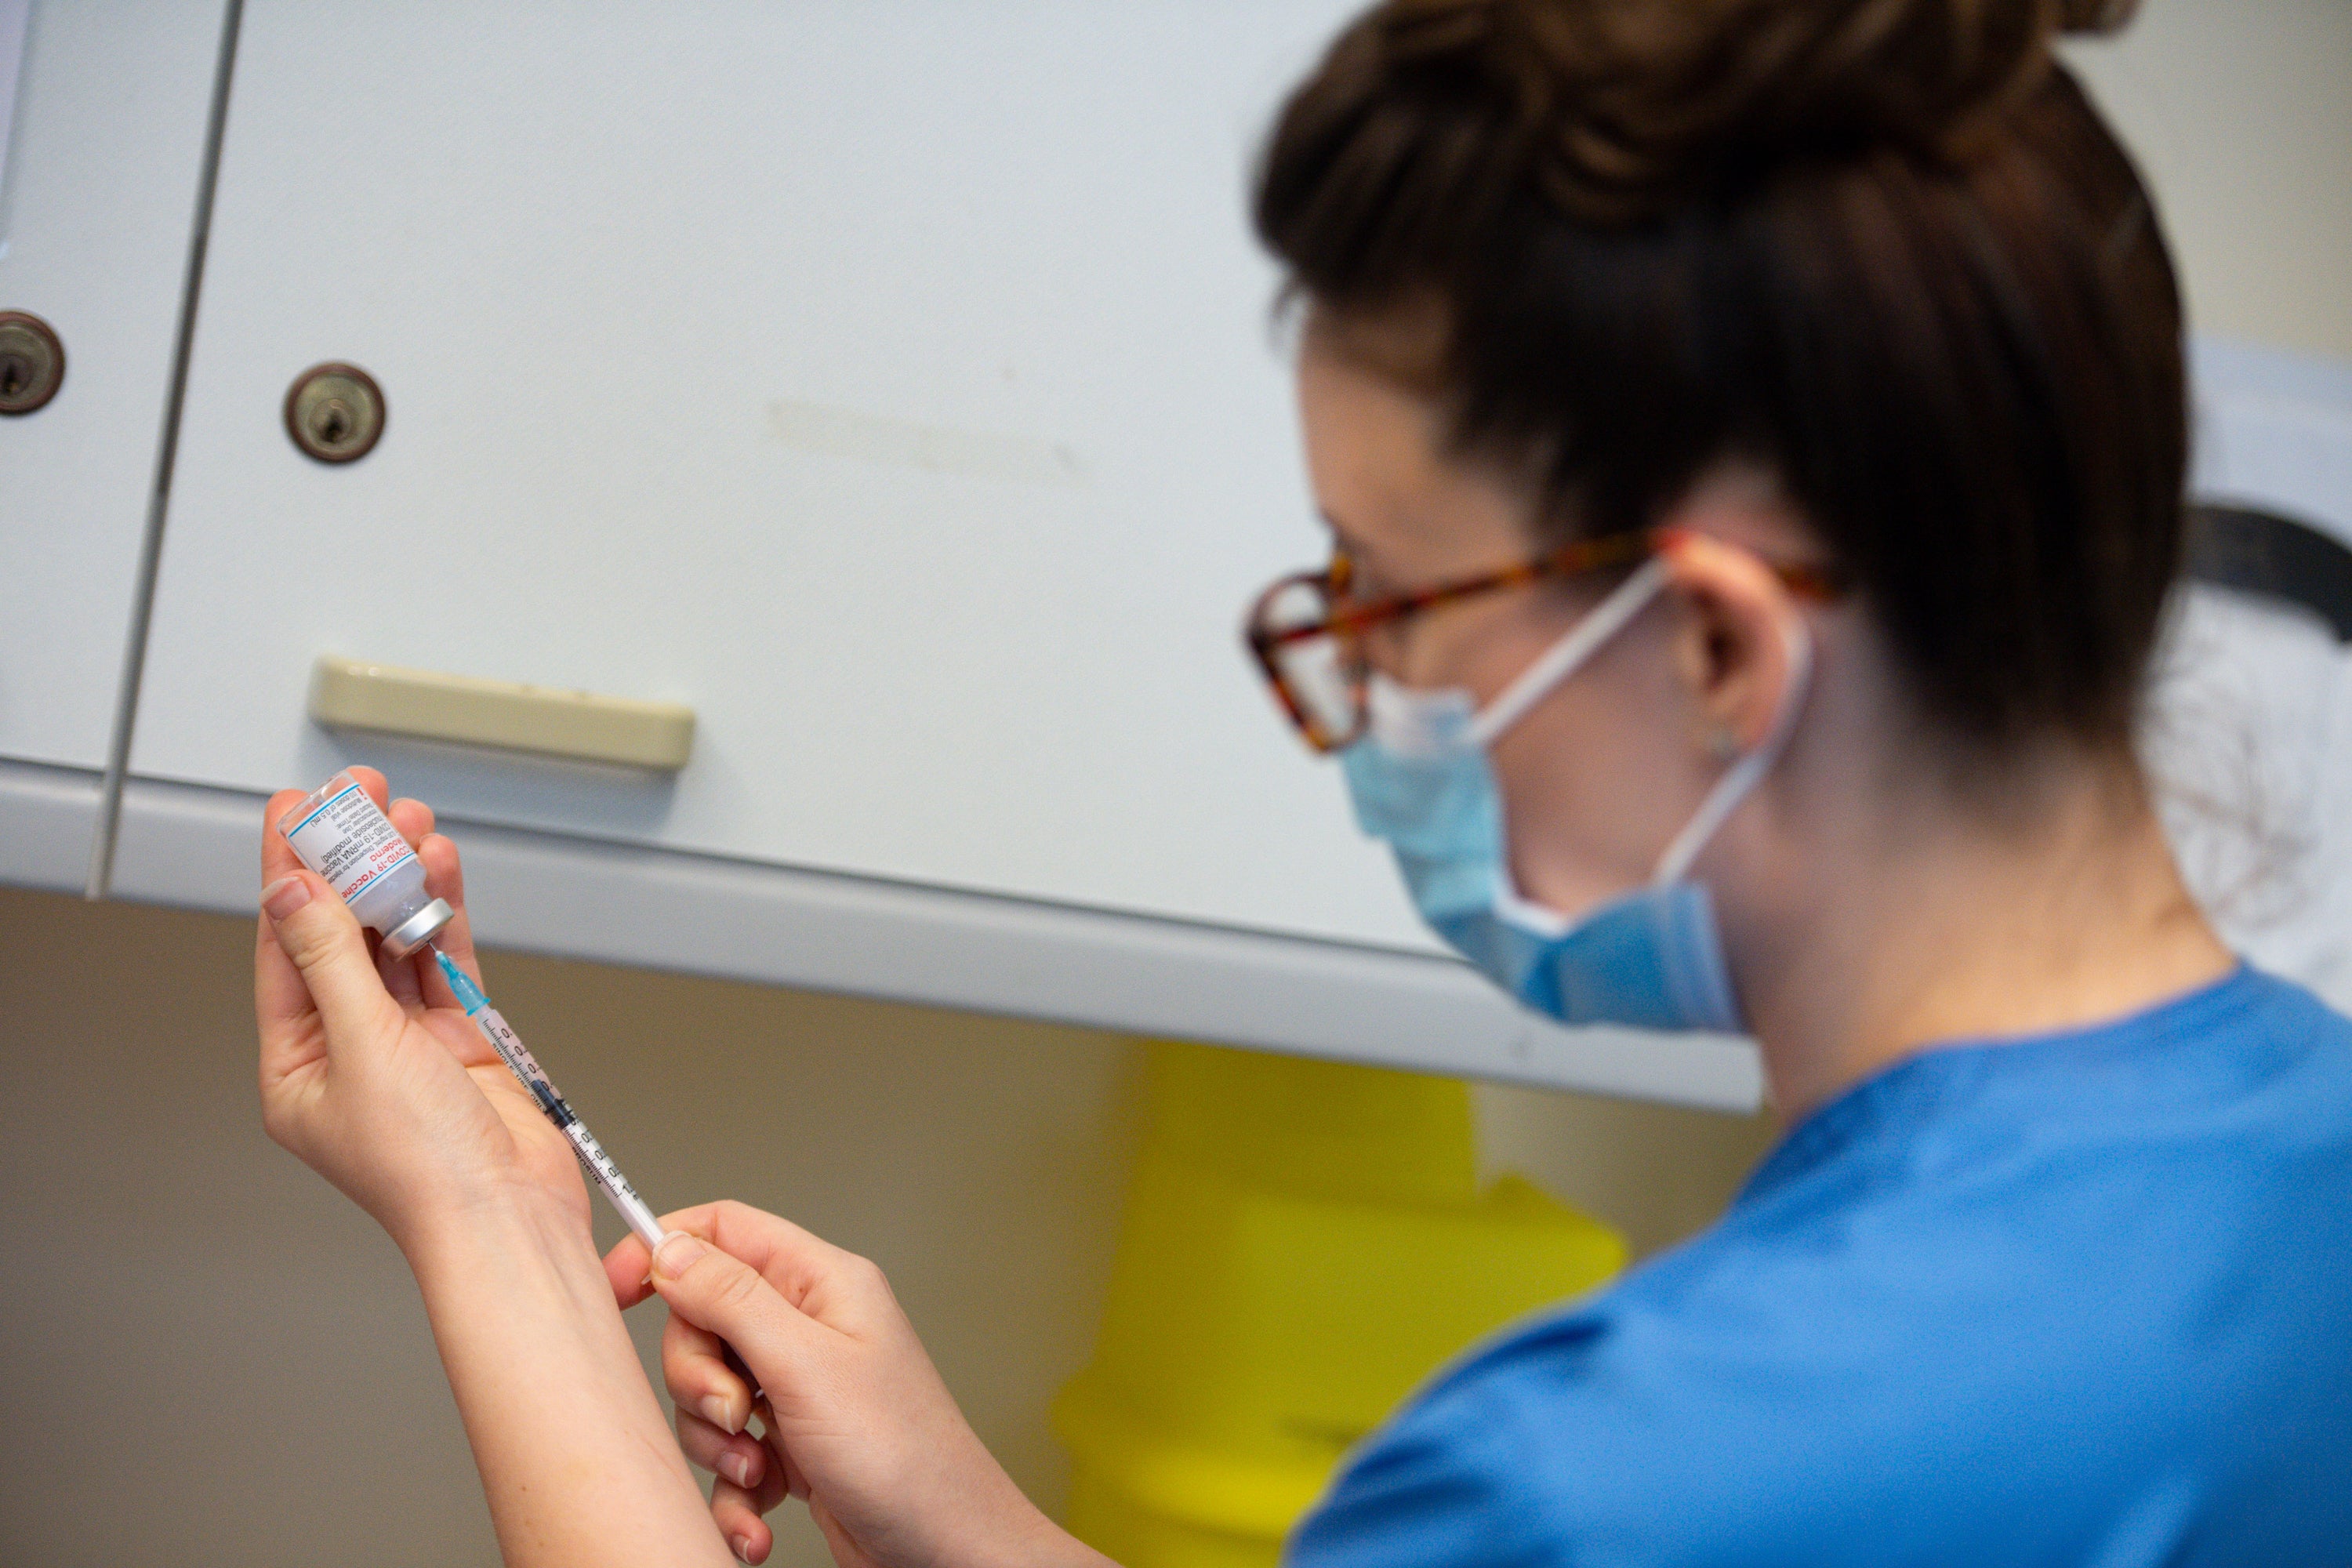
{"points": [[519, 1061]]}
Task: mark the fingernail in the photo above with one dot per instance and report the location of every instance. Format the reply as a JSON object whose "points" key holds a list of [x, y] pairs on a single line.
{"points": [[719, 1411], [284, 896], [677, 1254], [743, 1546], [735, 1469]]}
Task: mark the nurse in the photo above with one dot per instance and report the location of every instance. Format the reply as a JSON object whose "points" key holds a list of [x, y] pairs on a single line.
{"points": [[1752, 437]]}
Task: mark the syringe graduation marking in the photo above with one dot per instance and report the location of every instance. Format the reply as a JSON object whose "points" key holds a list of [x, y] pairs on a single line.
{"points": [[511, 1051], [527, 1071]]}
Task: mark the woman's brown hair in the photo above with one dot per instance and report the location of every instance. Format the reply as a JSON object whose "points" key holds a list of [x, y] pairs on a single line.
{"points": [[1885, 248]]}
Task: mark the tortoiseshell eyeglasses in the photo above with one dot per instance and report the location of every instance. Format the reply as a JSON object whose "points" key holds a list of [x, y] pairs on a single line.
{"points": [[1309, 639]]}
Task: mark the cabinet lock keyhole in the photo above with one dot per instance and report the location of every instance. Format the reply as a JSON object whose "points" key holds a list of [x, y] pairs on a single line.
{"points": [[335, 413], [32, 363]]}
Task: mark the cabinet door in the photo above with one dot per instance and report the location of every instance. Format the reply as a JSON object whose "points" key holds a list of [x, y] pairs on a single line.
{"points": [[97, 194], [893, 384]]}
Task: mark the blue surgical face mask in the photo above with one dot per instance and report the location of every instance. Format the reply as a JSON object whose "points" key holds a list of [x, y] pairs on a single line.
{"points": [[1652, 958]]}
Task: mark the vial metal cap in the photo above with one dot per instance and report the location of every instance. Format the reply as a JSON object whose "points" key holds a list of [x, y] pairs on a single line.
{"points": [[418, 928]]}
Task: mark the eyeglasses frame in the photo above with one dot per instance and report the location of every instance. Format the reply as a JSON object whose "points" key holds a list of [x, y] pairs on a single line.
{"points": [[1349, 624]]}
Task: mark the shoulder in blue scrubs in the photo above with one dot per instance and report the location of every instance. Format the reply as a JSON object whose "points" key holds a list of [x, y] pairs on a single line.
{"points": [[2085, 1299]]}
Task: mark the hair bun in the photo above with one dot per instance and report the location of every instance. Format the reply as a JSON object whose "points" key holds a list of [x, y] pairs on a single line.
{"points": [[2096, 15], [1624, 107]]}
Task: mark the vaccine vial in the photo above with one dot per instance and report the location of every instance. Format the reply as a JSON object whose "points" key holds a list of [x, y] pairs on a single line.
{"points": [[338, 833]]}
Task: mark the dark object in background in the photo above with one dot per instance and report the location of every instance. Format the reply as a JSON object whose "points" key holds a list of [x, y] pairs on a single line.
{"points": [[32, 361], [334, 412], [2262, 553]]}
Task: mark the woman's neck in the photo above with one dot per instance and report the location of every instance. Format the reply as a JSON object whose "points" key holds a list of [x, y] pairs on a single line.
{"points": [[1894, 925]]}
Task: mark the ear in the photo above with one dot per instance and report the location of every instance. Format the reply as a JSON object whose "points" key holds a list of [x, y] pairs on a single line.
{"points": [[1736, 648]]}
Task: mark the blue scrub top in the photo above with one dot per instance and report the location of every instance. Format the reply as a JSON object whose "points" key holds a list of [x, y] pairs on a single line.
{"points": [[2083, 1298]]}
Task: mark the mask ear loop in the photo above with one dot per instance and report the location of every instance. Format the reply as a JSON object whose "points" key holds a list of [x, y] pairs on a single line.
{"points": [[1603, 621], [1744, 774]]}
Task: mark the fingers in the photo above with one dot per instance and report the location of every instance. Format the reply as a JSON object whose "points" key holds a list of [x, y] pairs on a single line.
{"points": [[417, 978], [722, 1294], [373, 781], [736, 1514], [629, 1265], [400, 978], [695, 1371], [290, 1038], [714, 1408], [736, 1457], [821, 1280], [412, 817], [279, 992], [752, 1479], [330, 955], [836, 1287], [281, 1003], [278, 857], [629, 1268]]}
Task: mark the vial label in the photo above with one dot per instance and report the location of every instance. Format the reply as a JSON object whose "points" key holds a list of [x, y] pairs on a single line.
{"points": [[349, 842]]}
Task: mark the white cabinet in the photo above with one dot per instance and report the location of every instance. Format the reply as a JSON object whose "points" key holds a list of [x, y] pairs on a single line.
{"points": [[97, 197], [891, 384], [895, 386]]}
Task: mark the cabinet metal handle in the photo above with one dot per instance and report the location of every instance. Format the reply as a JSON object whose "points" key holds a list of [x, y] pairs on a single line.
{"points": [[352, 694]]}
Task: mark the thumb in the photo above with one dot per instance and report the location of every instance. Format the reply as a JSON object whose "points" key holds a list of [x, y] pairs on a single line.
{"points": [[320, 934], [715, 1291]]}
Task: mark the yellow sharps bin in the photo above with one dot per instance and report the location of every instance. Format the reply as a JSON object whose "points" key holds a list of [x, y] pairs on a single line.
{"points": [[1304, 1243]]}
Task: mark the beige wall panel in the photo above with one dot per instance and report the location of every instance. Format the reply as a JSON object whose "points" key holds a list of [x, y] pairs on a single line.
{"points": [[224, 1362]]}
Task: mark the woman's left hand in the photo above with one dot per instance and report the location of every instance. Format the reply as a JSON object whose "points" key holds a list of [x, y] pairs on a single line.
{"points": [[371, 1073], [858, 1421]]}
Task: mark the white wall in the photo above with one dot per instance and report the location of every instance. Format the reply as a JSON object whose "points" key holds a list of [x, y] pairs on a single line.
{"points": [[2239, 113]]}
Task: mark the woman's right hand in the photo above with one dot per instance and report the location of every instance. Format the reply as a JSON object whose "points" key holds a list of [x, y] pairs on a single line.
{"points": [[858, 1421], [372, 1073]]}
